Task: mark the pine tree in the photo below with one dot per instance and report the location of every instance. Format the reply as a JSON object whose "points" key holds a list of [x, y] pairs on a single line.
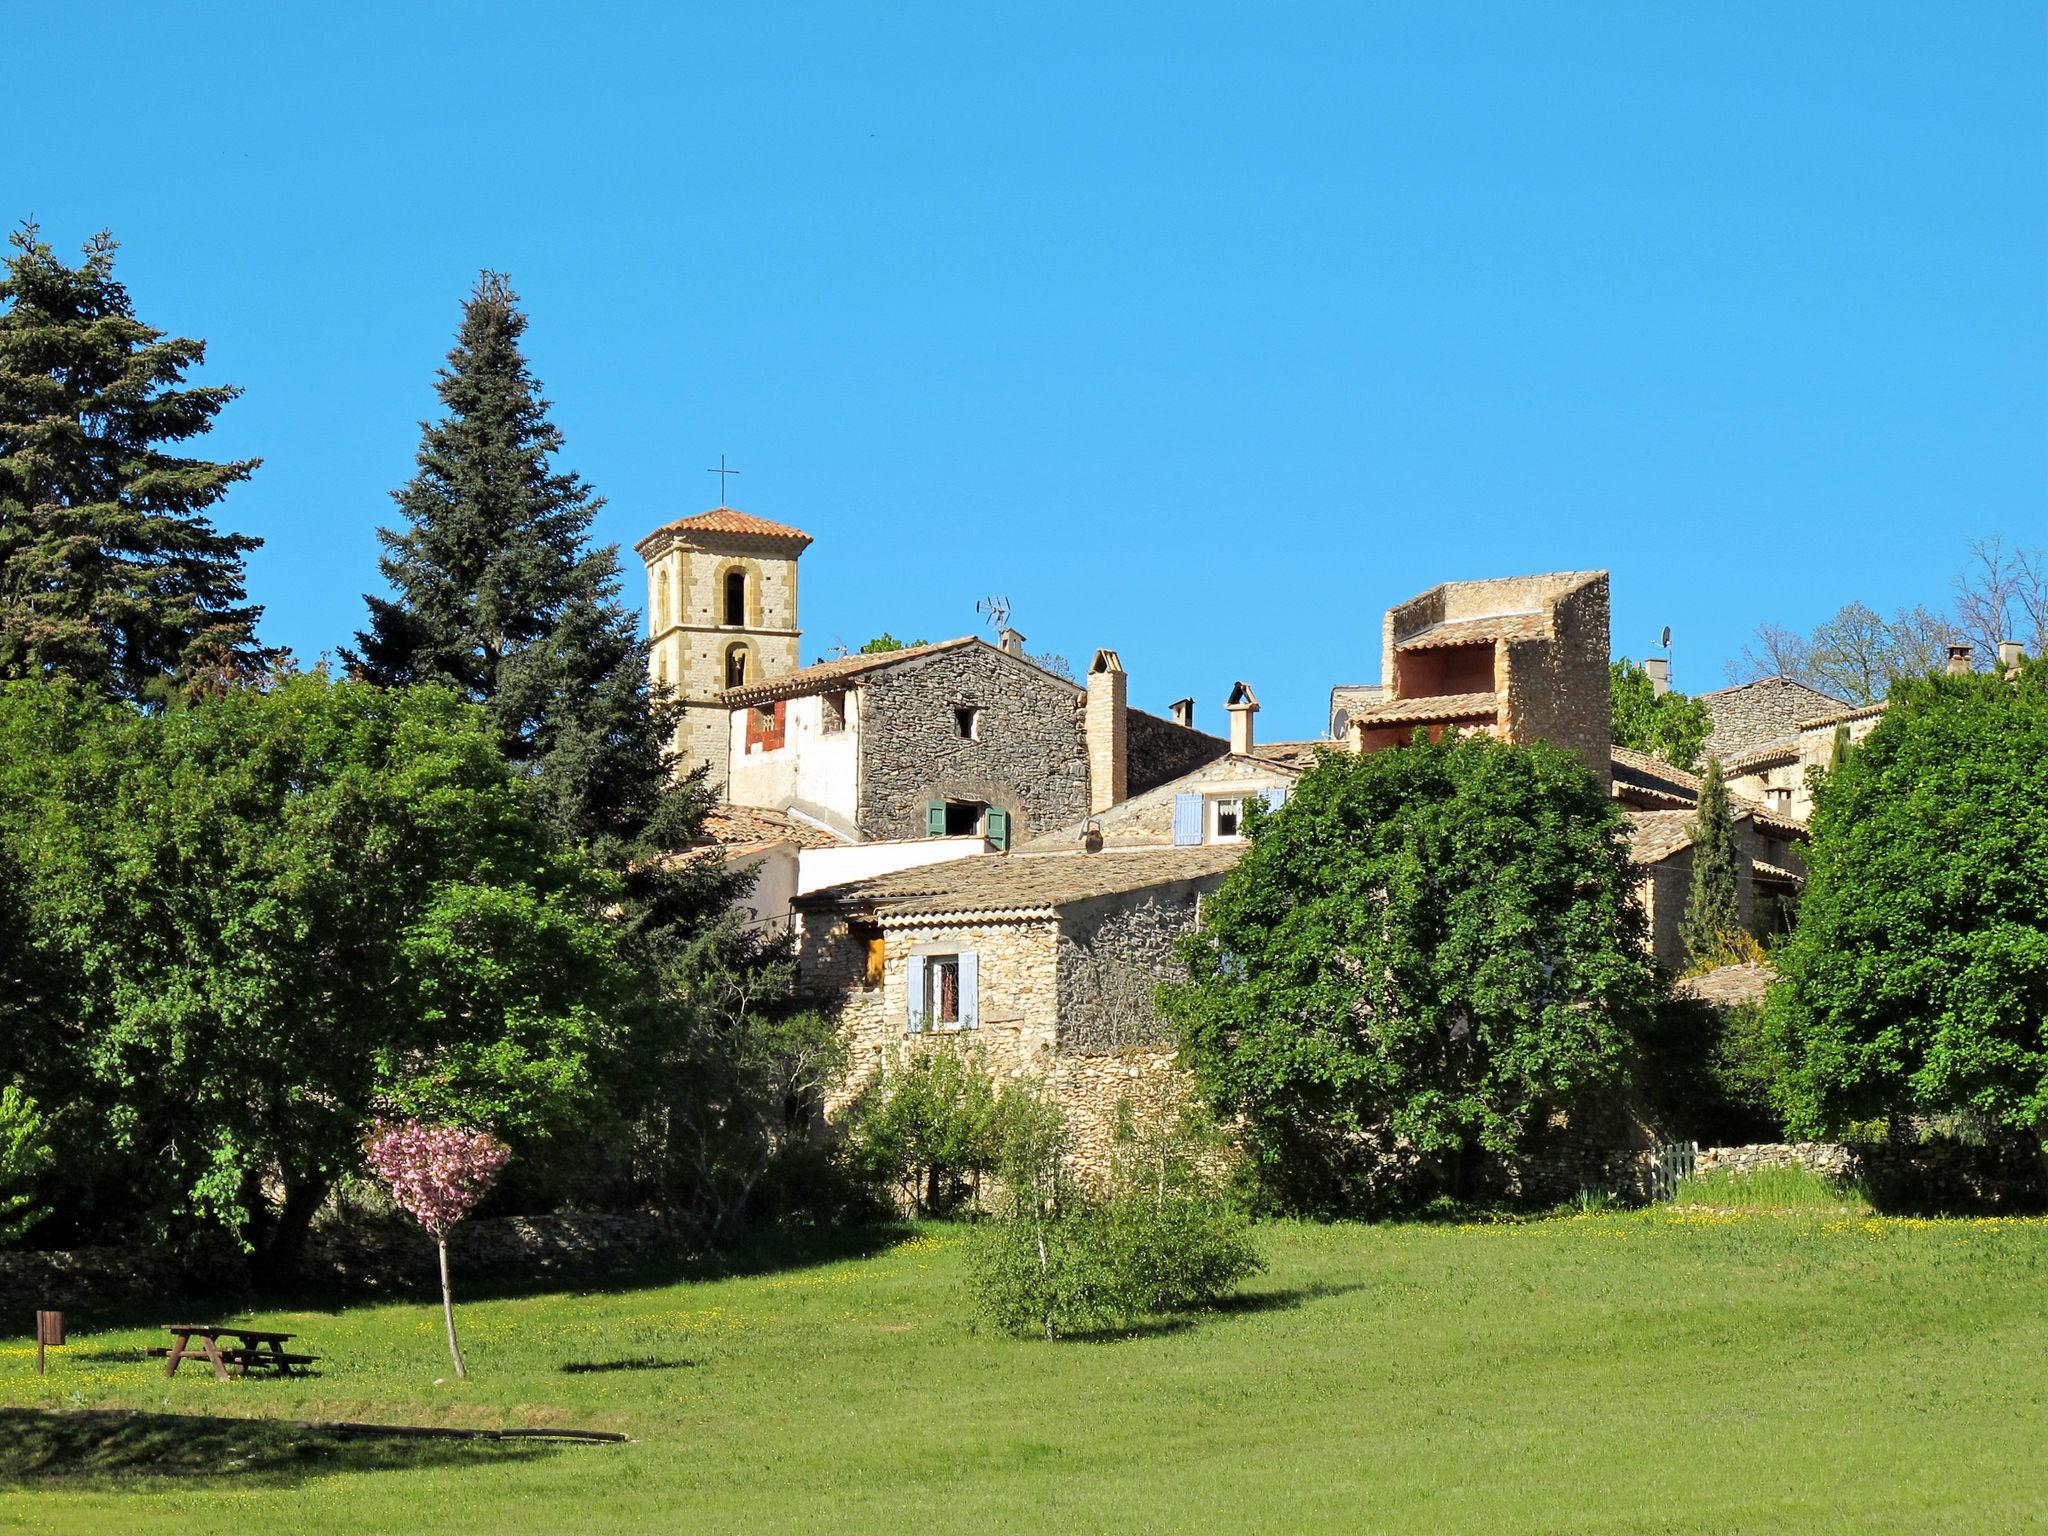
{"points": [[110, 571], [1711, 927], [498, 593]]}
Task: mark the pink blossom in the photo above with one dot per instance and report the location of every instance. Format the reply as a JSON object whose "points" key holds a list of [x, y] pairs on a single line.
{"points": [[437, 1173]]}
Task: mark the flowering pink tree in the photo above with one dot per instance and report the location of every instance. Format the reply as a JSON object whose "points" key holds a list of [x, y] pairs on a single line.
{"points": [[437, 1173]]}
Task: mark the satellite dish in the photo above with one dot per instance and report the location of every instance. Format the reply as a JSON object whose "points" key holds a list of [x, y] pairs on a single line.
{"points": [[1666, 641]]}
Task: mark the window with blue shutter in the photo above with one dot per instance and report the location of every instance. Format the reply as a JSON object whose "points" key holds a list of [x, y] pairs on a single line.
{"points": [[996, 827], [1274, 798], [913, 980], [935, 818], [1187, 820], [970, 989]]}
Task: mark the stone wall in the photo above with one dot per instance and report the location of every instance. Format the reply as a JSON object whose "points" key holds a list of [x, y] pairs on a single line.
{"points": [[1935, 1175], [1160, 751], [1558, 689], [1769, 709], [1095, 1091], [1029, 758], [1113, 953]]}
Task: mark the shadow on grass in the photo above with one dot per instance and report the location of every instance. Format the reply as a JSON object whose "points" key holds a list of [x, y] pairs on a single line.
{"points": [[643, 1363], [768, 1252], [115, 1450], [1245, 1304]]}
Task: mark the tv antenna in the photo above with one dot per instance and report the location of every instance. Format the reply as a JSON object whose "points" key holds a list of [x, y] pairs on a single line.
{"points": [[997, 610]]}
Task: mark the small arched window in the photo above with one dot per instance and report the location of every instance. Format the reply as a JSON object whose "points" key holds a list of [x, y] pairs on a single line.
{"points": [[660, 600], [736, 666], [735, 597]]}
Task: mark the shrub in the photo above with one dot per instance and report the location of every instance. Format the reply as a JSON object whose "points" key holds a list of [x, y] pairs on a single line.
{"points": [[24, 1156], [930, 1124], [1059, 1262]]}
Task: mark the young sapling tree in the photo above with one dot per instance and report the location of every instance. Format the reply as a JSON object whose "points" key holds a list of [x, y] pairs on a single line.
{"points": [[437, 1174]]}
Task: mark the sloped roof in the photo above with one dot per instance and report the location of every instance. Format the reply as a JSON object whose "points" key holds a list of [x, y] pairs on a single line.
{"points": [[1649, 772], [1729, 984], [1844, 716], [1298, 756], [1522, 624], [1442, 706], [1656, 835], [728, 520], [742, 825], [1012, 885], [837, 672]]}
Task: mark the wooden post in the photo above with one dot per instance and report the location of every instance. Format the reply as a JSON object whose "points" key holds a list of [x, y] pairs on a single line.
{"points": [[49, 1334]]}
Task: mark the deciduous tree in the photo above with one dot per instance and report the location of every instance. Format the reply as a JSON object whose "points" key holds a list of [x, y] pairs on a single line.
{"points": [[1916, 980], [1439, 944], [1669, 725]]}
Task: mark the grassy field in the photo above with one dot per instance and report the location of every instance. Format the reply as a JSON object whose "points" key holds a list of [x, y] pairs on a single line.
{"points": [[1652, 1371]]}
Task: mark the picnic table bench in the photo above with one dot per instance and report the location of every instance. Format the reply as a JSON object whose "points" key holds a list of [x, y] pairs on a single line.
{"points": [[259, 1347]]}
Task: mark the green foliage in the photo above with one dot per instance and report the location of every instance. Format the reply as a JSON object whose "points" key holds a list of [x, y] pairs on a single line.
{"points": [[499, 596], [931, 1122], [110, 571], [1711, 925], [1771, 1189], [1916, 980], [25, 1155], [885, 642], [1439, 943], [1059, 1261], [1670, 725], [285, 910]]}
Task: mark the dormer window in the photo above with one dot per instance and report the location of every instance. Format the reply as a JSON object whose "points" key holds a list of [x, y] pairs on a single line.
{"points": [[967, 721], [735, 597]]}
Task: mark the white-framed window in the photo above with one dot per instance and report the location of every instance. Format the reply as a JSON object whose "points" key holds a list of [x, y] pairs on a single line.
{"points": [[1226, 818], [944, 989]]}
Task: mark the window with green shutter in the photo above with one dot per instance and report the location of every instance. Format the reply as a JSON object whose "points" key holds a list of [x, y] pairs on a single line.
{"points": [[935, 818], [996, 827]]}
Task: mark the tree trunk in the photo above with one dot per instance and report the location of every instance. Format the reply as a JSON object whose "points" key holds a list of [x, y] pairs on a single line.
{"points": [[281, 1253], [448, 1312]]}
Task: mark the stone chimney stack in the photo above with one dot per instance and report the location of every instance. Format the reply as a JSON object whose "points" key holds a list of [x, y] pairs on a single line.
{"points": [[1659, 670], [1242, 706], [1010, 641], [1183, 712], [1108, 732], [2010, 655], [1959, 660]]}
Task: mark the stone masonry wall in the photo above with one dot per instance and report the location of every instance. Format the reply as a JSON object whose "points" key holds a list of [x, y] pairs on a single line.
{"points": [[1113, 953], [1030, 758]]}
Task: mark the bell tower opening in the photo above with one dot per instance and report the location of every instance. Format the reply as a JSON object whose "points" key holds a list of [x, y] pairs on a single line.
{"points": [[722, 600]]}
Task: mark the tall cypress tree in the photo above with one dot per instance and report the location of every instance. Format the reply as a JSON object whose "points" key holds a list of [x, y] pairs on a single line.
{"points": [[498, 593], [1712, 921], [110, 571]]}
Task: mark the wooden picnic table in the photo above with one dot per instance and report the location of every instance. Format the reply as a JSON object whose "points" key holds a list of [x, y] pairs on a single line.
{"points": [[259, 1347]]}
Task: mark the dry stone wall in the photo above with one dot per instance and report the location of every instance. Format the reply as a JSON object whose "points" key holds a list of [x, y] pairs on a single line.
{"points": [[1029, 756]]}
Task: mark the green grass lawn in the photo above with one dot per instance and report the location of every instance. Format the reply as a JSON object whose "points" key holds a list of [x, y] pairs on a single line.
{"points": [[1641, 1372]]}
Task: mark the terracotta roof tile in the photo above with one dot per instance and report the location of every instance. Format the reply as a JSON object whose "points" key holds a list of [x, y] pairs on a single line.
{"points": [[730, 520], [1656, 835], [1530, 624], [835, 673], [1021, 884], [1728, 984], [736, 826], [1844, 716], [1442, 706], [1297, 755]]}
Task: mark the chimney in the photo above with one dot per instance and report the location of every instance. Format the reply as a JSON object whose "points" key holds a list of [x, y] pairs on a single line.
{"points": [[1108, 733], [2010, 655], [1242, 706], [1010, 641], [1659, 669], [1959, 660], [1183, 711]]}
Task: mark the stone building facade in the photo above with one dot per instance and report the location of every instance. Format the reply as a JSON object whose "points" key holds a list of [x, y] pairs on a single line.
{"points": [[1766, 710], [955, 738], [721, 611], [1520, 658], [1043, 964]]}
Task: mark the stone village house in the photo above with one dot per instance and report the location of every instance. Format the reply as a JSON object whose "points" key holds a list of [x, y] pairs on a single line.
{"points": [[970, 847]]}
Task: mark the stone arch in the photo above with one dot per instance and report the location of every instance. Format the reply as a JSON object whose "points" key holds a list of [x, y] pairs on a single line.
{"points": [[739, 665], [741, 578]]}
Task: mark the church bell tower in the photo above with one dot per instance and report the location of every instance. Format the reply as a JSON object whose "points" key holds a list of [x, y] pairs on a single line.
{"points": [[721, 613]]}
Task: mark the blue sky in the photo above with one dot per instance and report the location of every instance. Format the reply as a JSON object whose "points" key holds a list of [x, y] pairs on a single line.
{"points": [[1202, 332]]}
